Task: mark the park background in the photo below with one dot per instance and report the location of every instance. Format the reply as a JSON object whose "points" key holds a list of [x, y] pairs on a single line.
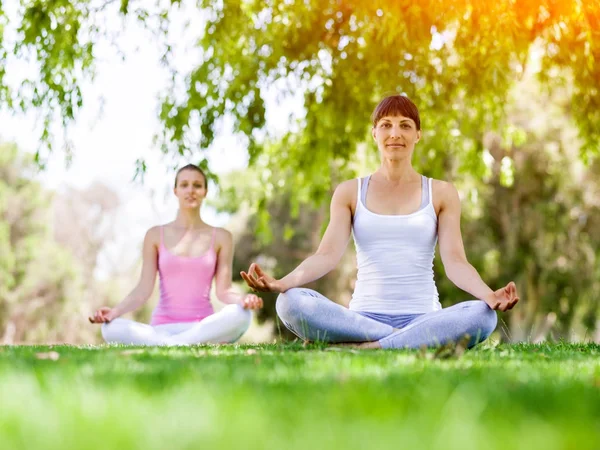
{"points": [[101, 100]]}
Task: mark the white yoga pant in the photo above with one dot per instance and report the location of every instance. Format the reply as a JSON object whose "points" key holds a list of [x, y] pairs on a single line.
{"points": [[225, 326]]}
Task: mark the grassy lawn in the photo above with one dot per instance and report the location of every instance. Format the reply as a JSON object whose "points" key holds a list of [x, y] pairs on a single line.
{"points": [[290, 397]]}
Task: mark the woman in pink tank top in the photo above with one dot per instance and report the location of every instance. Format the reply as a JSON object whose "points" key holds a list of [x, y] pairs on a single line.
{"points": [[187, 254]]}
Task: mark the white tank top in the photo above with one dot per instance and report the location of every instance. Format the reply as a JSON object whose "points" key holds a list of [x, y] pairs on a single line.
{"points": [[395, 258]]}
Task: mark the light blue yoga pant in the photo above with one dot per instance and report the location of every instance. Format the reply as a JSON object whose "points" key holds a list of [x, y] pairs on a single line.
{"points": [[314, 317]]}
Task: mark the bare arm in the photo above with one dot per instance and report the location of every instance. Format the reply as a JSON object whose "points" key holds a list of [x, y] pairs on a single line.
{"points": [[223, 280], [141, 293], [458, 269], [326, 257]]}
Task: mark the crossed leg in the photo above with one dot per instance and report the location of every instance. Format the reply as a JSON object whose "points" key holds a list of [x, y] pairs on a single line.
{"points": [[225, 326], [312, 316], [471, 318]]}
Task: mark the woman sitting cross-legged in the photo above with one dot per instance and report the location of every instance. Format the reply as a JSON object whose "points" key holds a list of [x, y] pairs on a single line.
{"points": [[396, 217], [188, 254]]}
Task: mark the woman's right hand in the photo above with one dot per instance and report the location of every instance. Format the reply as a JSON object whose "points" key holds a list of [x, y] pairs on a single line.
{"points": [[504, 298], [103, 315], [261, 281]]}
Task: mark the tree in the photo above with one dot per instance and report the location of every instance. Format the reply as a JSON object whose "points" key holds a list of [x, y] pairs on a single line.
{"points": [[84, 221], [39, 282], [532, 218], [49, 244], [457, 60]]}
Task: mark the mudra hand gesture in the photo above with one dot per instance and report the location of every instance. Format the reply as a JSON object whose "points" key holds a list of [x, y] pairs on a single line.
{"points": [[103, 315], [252, 301], [261, 281], [504, 298]]}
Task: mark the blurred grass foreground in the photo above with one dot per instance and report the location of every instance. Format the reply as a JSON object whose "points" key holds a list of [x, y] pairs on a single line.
{"points": [[520, 396]]}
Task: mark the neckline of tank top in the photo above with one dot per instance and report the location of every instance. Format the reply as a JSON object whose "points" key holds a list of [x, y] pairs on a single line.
{"points": [[419, 211], [174, 255], [206, 252]]}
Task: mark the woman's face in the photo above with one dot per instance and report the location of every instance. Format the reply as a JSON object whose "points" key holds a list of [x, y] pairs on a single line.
{"points": [[396, 136], [190, 189]]}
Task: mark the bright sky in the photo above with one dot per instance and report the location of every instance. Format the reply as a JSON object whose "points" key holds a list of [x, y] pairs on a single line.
{"points": [[109, 139]]}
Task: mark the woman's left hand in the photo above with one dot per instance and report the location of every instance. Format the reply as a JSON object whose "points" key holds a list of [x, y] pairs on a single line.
{"points": [[252, 301]]}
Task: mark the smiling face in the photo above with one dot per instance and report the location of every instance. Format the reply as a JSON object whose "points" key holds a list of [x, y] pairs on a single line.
{"points": [[396, 127], [190, 188], [396, 136]]}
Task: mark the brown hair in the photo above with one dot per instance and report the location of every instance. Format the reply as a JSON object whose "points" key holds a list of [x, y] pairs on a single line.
{"points": [[396, 105], [191, 167]]}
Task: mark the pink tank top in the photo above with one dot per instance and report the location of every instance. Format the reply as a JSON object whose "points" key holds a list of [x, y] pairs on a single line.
{"points": [[184, 285]]}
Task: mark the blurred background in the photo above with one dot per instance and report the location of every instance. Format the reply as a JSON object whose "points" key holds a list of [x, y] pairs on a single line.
{"points": [[101, 101]]}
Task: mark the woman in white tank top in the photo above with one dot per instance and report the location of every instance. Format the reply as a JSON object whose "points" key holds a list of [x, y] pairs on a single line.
{"points": [[396, 217]]}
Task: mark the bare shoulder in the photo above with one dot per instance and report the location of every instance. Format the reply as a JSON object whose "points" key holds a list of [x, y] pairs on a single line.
{"points": [[442, 187], [444, 194], [345, 193], [153, 235], [346, 188], [223, 237], [222, 233]]}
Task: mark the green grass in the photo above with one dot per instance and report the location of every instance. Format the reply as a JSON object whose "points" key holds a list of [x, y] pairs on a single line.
{"points": [[290, 397]]}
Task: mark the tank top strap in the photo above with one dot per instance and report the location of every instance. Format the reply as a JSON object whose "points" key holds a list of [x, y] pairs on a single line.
{"points": [[365, 186], [425, 193], [430, 189]]}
